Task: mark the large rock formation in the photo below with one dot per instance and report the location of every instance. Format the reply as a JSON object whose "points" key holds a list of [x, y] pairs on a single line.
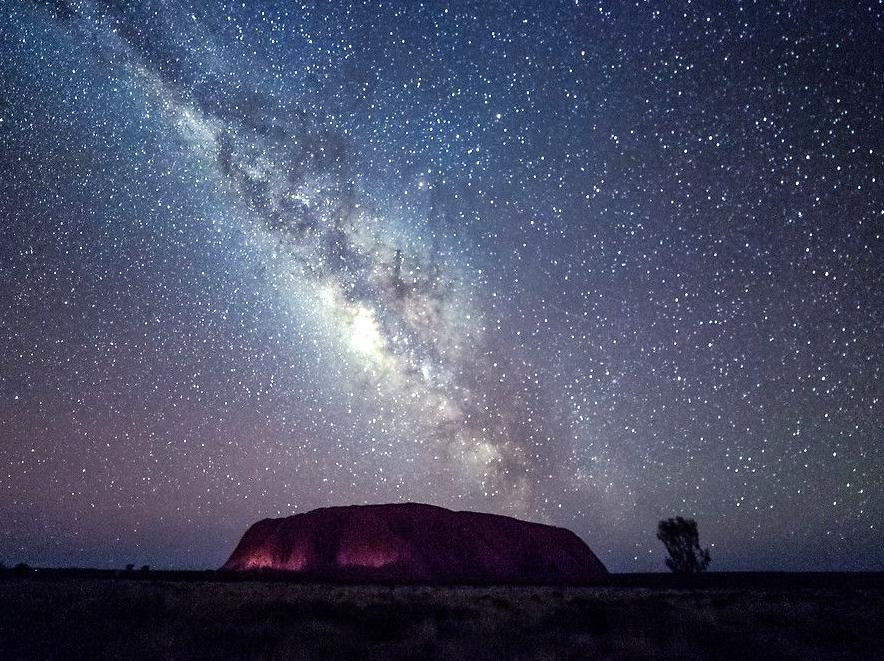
{"points": [[414, 543]]}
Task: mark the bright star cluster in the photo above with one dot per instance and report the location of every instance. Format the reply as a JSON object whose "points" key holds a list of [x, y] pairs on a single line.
{"points": [[586, 263]]}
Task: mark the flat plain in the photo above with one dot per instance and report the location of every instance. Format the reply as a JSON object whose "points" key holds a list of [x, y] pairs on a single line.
{"points": [[59, 615]]}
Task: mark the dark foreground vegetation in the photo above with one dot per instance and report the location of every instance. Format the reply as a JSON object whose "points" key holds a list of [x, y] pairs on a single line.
{"points": [[138, 615]]}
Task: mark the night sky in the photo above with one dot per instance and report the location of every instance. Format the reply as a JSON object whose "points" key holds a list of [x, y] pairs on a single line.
{"points": [[585, 263]]}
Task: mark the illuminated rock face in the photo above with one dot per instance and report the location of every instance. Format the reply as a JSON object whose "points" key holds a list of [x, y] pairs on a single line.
{"points": [[413, 543]]}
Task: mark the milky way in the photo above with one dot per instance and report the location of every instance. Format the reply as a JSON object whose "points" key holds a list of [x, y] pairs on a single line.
{"points": [[579, 263], [391, 301]]}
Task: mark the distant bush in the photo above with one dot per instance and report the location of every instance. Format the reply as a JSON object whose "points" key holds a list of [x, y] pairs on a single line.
{"points": [[145, 568], [682, 542], [130, 567], [22, 568]]}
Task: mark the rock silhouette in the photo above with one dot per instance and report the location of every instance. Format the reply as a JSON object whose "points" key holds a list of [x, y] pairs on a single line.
{"points": [[415, 543]]}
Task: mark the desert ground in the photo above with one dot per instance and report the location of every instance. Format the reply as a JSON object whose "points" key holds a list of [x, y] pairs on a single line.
{"points": [[46, 615]]}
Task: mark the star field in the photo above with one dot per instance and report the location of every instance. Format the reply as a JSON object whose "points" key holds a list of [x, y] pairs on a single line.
{"points": [[589, 264]]}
